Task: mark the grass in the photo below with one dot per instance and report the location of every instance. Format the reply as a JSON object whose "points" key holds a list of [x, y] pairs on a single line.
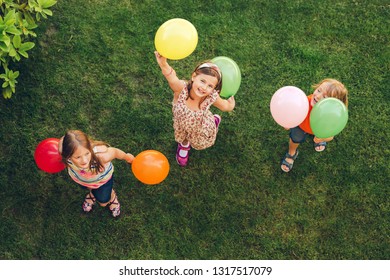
{"points": [[93, 69]]}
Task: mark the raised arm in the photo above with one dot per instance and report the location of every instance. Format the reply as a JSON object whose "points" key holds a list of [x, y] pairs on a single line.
{"points": [[170, 74], [225, 105]]}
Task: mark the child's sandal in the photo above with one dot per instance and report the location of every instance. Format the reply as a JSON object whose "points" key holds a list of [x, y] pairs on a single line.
{"points": [[89, 201], [288, 164], [320, 145], [182, 154], [116, 211]]}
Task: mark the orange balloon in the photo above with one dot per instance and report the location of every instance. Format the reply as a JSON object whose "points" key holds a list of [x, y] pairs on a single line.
{"points": [[150, 167]]}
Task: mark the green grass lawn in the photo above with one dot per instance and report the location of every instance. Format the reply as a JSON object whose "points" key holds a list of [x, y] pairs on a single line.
{"points": [[93, 69]]}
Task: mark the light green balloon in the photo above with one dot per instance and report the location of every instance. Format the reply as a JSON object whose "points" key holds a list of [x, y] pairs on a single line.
{"points": [[231, 75], [328, 117]]}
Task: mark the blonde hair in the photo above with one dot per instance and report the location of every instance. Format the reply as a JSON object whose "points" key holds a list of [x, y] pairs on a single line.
{"points": [[334, 89]]}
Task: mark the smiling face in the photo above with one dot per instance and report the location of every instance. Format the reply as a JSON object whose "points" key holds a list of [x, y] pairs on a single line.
{"points": [[320, 93], [203, 85]]}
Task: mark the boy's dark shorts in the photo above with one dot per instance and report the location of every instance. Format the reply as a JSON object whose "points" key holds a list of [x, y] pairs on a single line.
{"points": [[297, 135]]}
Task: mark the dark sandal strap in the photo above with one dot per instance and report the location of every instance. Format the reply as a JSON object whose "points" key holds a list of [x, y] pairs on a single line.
{"points": [[91, 197], [320, 144], [113, 201], [289, 164], [116, 211], [293, 157]]}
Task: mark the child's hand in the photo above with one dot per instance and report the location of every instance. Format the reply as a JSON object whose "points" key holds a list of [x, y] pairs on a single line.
{"points": [[129, 158], [232, 102], [162, 61]]}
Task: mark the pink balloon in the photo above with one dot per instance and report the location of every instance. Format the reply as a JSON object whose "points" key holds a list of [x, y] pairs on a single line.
{"points": [[289, 106]]}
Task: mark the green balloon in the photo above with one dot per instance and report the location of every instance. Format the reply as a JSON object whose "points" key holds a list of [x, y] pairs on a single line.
{"points": [[231, 75], [328, 117]]}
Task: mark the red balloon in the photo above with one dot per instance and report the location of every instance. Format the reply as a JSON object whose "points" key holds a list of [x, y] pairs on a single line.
{"points": [[47, 156]]}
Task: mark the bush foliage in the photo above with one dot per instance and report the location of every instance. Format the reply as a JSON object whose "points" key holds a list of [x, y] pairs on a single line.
{"points": [[18, 19]]}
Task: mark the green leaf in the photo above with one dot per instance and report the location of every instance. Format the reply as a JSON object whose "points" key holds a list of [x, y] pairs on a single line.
{"points": [[13, 74], [30, 20], [23, 53], [42, 14], [13, 30], [9, 17], [17, 57], [7, 93], [4, 47], [5, 39], [17, 41], [32, 3], [48, 12], [47, 3], [12, 52], [10, 21], [19, 18], [26, 46], [5, 84]]}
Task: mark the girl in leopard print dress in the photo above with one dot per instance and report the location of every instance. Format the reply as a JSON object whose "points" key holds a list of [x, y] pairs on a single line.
{"points": [[194, 124]]}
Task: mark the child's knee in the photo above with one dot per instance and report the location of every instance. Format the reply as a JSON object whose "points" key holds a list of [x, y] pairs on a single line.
{"points": [[297, 135]]}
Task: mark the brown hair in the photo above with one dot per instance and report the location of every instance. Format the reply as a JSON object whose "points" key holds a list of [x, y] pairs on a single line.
{"points": [[76, 138], [209, 69], [335, 89]]}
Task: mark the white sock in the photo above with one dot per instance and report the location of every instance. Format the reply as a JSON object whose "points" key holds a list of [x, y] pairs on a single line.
{"points": [[185, 146], [183, 153]]}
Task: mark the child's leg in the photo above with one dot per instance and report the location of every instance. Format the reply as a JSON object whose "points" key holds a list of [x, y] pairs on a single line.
{"points": [[297, 136], [320, 143], [292, 147], [103, 194], [292, 151], [89, 201], [106, 195], [114, 204]]}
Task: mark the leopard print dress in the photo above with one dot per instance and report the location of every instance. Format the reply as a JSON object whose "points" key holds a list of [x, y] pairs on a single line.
{"points": [[198, 127]]}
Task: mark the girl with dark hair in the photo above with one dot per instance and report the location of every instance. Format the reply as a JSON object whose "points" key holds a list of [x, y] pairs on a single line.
{"points": [[194, 124]]}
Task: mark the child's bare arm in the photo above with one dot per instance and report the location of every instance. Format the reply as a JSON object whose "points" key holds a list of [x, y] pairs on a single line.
{"points": [[169, 73], [114, 153], [225, 105]]}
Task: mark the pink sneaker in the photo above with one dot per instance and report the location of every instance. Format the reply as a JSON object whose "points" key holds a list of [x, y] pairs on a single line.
{"points": [[217, 119], [182, 154]]}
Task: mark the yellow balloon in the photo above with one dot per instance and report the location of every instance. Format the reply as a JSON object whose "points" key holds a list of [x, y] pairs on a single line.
{"points": [[176, 39]]}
